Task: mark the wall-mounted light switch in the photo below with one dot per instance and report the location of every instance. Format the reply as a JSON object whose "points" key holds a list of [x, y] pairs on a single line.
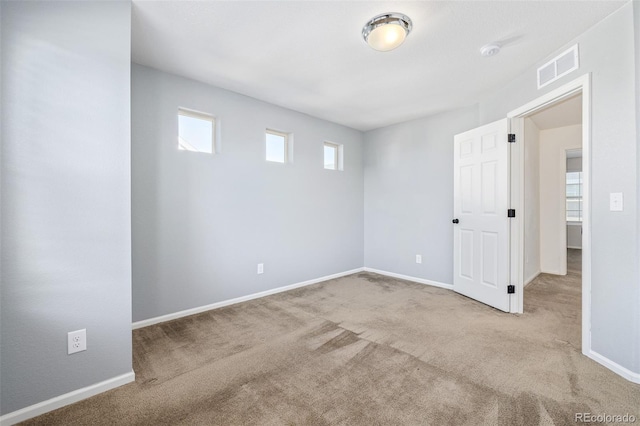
{"points": [[616, 202], [418, 258], [260, 268]]}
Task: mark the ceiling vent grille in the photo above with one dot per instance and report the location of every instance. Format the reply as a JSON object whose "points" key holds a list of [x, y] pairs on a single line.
{"points": [[558, 67]]}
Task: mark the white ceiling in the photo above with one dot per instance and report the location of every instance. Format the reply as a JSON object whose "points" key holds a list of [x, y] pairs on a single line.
{"points": [[309, 55], [565, 113]]}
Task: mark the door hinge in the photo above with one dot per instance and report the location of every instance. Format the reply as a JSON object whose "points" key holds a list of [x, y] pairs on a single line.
{"points": [[511, 289], [511, 213], [512, 138]]}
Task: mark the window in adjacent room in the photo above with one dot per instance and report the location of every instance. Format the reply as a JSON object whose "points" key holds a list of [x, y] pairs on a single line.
{"points": [[277, 146], [574, 196], [195, 131], [333, 156]]}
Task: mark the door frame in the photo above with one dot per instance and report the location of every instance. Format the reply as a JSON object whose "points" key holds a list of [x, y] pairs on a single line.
{"points": [[516, 117]]}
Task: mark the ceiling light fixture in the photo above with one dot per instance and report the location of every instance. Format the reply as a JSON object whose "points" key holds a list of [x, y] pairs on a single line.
{"points": [[387, 31]]}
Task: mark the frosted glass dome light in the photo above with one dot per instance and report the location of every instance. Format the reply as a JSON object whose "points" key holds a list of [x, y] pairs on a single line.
{"points": [[387, 31]]}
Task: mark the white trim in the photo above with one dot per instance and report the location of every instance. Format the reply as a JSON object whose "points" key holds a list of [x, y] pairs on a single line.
{"points": [[339, 156], [66, 399], [613, 366], [191, 113], [409, 278], [516, 224], [533, 277], [552, 97], [286, 136], [199, 309], [553, 272], [581, 84]]}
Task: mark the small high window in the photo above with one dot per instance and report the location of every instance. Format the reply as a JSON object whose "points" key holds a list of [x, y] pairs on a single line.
{"points": [[276, 146], [195, 131], [333, 156]]}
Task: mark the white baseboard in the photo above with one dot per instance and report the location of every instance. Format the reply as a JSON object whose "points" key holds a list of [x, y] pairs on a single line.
{"points": [[613, 366], [550, 272], [199, 309], [409, 278], [606, 362], [533, 277], [66, 399]]}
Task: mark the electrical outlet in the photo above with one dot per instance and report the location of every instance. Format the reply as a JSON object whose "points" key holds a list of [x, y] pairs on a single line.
{"points": [[418, 258], [77, 341], [260, 268]]}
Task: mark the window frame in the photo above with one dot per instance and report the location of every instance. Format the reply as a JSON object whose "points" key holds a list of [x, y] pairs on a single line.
{"points": [[284, 135], [578, 198], [339, 160], [336, 156], [186, 112]]}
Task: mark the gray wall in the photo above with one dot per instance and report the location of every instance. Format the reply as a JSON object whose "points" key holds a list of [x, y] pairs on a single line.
{"points": [[408, 193], [202, 223], [408, 178], [636, 23], [615, 289], [64, 182], [65, 196]]}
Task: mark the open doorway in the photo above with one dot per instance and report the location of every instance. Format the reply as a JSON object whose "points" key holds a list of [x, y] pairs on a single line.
{"points": [[553, 216], [554, 135], [552, 187]]}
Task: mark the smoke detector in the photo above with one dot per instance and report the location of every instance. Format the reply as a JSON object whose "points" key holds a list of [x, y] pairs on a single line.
{"points": [[490, 49]]}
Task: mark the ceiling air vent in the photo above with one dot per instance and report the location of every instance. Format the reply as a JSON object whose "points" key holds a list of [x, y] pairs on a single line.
{"points": [[558, 67]]}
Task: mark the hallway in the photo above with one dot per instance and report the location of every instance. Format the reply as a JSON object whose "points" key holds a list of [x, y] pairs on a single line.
{"points": [[560, 296]]}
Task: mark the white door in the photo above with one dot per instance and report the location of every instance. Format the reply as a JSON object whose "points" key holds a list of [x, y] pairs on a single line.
{"points": [[481, 225]]}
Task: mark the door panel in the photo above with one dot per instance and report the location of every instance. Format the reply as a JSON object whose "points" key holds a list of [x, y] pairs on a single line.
{"points": [[481, 256], [489, 187], [466, 254], [489, 258], [466, 189]]}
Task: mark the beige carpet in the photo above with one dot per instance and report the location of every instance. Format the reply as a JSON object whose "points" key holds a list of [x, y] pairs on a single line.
{"points": [[365, 350]]}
